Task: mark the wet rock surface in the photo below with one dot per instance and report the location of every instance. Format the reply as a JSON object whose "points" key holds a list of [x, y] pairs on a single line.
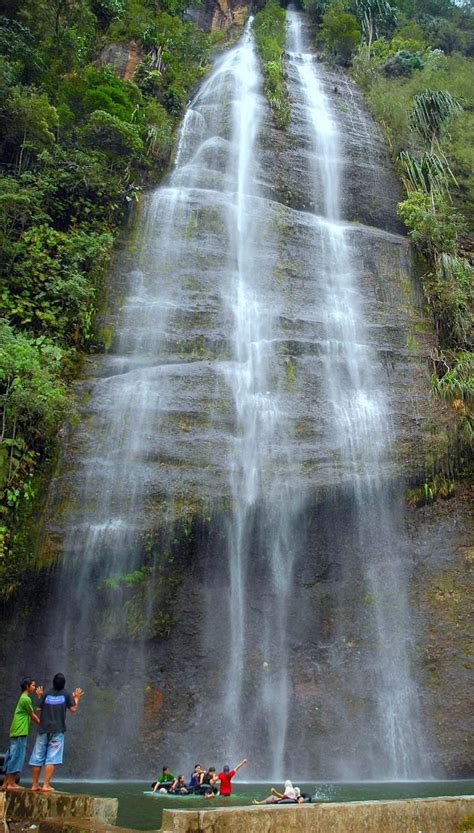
{"points": [[370, 189], [442, 537]]}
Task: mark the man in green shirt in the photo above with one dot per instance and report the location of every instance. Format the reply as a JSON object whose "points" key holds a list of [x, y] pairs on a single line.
{"points": [[22, 717], [165, 780]]}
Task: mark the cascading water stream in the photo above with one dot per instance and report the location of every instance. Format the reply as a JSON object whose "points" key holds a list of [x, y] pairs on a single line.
{"points": [[362, 430], [254, 453]]}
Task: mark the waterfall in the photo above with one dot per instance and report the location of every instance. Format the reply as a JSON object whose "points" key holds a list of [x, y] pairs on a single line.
{"points": [[361, 429], [235, 463]]}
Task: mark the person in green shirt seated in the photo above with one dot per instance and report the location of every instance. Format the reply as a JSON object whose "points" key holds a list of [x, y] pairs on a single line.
{"points": [[22, 717], [165, 780]]}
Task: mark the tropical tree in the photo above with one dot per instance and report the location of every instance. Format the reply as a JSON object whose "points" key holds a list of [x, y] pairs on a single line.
{"points": [[431, 110], [376, 18], [29, 123]]}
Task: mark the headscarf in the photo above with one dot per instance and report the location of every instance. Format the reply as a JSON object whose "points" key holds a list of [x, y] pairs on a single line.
{"points": [[289, 790]]}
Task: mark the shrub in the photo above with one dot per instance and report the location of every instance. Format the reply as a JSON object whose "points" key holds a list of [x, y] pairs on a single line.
{"points": [[433, 225], [115, 137], [54, 281], [175, 99], [340, 32], [402, 62], [100, 89], [449, 288], [35, 398]]}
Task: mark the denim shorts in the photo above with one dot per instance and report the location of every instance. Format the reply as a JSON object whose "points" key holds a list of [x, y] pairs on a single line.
{"points": [[15, 757], [48, 749]]}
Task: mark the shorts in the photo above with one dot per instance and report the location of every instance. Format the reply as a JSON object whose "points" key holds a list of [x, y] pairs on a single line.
{"points": [[48, 749], [15, 757]]}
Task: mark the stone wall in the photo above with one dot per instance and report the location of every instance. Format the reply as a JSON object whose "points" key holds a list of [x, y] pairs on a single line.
{"points": [[428, 815], [36, 806]]}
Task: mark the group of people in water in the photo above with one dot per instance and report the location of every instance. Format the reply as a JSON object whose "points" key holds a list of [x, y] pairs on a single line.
{"points": [[202, 782], [208, 783]]}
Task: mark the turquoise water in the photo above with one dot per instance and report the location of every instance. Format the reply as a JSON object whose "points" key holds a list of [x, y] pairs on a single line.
{"points": [[143, 812]]}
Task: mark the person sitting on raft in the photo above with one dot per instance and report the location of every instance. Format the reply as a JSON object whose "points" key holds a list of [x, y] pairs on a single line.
{"points": [[302, 798], [165, 780], [209, 780], [178, 787], [225, 777], [196, 778], [287, 797]]}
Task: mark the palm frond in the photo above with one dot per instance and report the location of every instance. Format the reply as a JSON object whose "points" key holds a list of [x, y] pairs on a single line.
{"points": [[431, 109], [429, 173]]}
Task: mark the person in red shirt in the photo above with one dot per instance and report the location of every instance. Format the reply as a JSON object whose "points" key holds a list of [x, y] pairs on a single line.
{"points": [[225, 777]]}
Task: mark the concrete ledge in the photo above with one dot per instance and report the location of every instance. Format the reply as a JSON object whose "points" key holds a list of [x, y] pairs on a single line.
{"points": [[423, 815], [36, 806]]}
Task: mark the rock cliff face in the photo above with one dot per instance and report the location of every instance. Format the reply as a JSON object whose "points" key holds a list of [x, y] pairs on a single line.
{"points": [[146, 633], [442, 537], [122, 58], [220, 14]]}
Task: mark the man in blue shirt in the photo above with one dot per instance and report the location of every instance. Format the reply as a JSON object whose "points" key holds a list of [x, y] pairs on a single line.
{"points": [[49, 747]]}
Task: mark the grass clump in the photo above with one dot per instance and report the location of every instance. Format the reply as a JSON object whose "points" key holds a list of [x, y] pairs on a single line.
{"points": [[270, 35]]}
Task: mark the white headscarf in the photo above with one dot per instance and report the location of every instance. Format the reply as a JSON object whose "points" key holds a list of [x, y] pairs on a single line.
{"points": [[289, 790]]}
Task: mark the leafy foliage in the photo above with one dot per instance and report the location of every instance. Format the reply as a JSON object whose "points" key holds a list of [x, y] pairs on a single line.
{"points": [[432, 231], [402, 62], [34, 396], [340, 31], [450, 288], [76, 144]]}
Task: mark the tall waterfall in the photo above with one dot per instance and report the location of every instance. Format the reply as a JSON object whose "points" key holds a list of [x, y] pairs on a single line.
{"points": [[236, 462], [361, 429]]}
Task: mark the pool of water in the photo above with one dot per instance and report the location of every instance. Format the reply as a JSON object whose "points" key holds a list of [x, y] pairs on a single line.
{"points": [[143, 812]]}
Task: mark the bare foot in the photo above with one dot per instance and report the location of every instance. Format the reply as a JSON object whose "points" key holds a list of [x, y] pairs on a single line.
{"points": [[47, 789], [35, 789], [15, 787]]}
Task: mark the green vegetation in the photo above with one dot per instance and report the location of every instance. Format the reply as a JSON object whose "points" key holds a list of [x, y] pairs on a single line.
{"points": [[435, 487], [340, 32], [413, 59], [77, 144], [270, 34]]}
